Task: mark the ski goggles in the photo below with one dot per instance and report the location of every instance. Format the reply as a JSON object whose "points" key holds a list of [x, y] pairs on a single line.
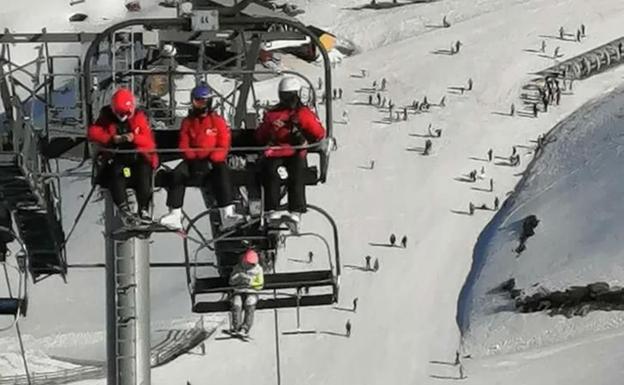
{"points": [[202, 103]]}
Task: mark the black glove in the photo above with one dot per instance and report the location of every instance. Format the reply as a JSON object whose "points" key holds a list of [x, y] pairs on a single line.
{"points": [[296, 137]]}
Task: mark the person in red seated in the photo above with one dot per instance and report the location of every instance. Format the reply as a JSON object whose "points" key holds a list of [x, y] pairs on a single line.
{"points": [[287, 125], [205, 141], [121, 126]]}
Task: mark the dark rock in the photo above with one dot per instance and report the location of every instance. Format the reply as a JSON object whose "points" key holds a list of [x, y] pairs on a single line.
{"points": [[77, 17], [598, 288]]}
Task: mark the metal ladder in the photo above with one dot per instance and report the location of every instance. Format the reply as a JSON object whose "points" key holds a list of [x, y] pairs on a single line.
{"points": [[123, 56]]}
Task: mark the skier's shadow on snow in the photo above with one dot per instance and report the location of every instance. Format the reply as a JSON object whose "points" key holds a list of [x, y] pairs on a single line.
{"points": [[447, 52], [381, 244], [383, 121], [416, 149], [553, 37], [299, 260], [387, 5], [444, 377], [442, 363], [355, 267], [501, 113], [358, 103], [350, 310], [366, 90], [336, 334], [478, 159], [422, 135], [460, 212], [480, 189], [464, 179]]}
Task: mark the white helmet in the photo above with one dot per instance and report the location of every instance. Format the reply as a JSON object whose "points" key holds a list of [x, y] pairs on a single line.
{"points": [[289, 84]]}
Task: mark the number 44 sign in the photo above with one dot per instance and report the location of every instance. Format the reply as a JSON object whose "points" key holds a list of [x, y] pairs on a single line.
{"points": [[205, 20]]}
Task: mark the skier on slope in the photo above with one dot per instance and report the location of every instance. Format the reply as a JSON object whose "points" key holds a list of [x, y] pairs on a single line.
{"points": [[247, 279], [121, 126], [290, 123], [204, 141]]}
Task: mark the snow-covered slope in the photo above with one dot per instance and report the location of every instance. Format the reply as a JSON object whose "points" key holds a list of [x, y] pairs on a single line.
{"points": [[575, 189], [406, 314]]}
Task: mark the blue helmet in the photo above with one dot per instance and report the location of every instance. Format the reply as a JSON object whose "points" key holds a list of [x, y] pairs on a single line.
{"points": [[201, 92]]}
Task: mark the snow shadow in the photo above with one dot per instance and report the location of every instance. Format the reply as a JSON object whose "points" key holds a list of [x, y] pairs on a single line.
{"points": [[387, 5], [447, 52]]}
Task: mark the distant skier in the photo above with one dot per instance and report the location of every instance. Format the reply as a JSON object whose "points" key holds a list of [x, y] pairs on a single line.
{"points": [[469, 88], [320, 83], [392, 239], [383, 84], [416, 105], [425, 102], [471, 208], [458, 44], [345, 116], [556, 52], [578, 35], [428, 145], [355, 303], [512, 110], [490, 153], [310, 256], [583, 30], [543, 47], [482, 173], [561, 33], [363, 72], [429, 132], [445, 23], [339, 93], [496, 203], [457, 360], [334, 93], [378, 99], [473, 175], [438, 132], [535, 110], [404, 242], [383, 102], [545, 102], [557, 96], [514, 150], [368, 262], [372, 164], [348, 324], [374, 84], [491, 184], [404, 113], [376, 265], [247, 279], [462, 375], [442, 101]]}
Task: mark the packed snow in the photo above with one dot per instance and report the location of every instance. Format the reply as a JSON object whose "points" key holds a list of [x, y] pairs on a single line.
{"points": [[406, 318]]}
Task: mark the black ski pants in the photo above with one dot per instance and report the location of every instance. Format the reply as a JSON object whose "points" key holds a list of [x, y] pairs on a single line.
{"points": [[295, 165], [141, 175], [217, 174]]}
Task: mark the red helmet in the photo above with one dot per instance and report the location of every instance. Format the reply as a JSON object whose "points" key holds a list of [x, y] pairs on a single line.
{"points": [[250, 257], [123, 103]]}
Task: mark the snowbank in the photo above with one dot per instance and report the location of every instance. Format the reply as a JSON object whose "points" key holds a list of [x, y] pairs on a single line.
{"points": [[575, 189]]}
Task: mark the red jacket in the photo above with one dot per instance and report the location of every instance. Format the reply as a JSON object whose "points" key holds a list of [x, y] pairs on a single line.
{"points": [[209, 133], [105, 127], [277, 125]]}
